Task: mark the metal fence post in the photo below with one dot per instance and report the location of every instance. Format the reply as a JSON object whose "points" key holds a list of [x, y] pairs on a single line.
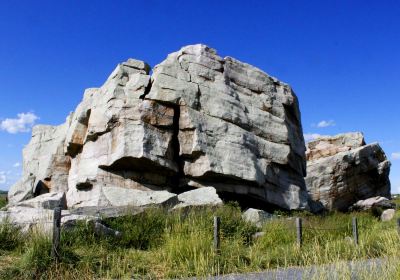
{"points": [[355, 230], [217, 224], [299, 230], [56, 233]]}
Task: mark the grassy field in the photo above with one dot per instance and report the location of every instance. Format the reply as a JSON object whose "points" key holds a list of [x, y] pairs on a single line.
{"points": [[160, 245]]}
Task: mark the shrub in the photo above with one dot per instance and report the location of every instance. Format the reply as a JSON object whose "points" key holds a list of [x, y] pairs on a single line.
{"points": [[142, 231], [10, 236], [232, 224]]}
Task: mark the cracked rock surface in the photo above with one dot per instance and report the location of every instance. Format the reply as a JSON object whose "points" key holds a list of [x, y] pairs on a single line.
{"points": [[343, 169], [199, 120]]}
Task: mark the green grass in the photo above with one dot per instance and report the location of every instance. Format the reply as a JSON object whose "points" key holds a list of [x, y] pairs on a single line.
{"points": [[3, 199], [10, 237], [159, 245]]}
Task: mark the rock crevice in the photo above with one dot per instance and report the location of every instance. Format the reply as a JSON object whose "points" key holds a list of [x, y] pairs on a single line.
{"points": [[199, 120]]}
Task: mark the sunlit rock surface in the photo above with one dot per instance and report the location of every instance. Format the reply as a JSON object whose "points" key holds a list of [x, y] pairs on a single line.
{"points": [[342, 170], [199, 120]]}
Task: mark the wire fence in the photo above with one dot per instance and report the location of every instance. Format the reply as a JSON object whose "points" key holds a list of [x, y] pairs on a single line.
{"points": [[297, 226]]}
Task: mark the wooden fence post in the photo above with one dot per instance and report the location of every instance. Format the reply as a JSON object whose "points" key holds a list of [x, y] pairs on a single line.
{"points": [[217, 224], [398, 226], [355, 230], [299, 230], [56, 233]]}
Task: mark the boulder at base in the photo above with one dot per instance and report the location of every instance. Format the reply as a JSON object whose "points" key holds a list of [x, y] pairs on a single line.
{"points": [[373, 202], [206, 196], [256, 216], [387, 215], [342, 170]]}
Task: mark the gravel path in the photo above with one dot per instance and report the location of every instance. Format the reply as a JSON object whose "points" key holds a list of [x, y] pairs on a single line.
{"points": [[352, 270]]}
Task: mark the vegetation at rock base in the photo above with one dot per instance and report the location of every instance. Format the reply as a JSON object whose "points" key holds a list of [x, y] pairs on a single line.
{"points": [[3, 199], [159, 245]]}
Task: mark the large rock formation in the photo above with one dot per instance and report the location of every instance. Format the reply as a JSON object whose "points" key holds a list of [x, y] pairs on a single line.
{"points": [[342, 170], [199, 120], [45, 166]]}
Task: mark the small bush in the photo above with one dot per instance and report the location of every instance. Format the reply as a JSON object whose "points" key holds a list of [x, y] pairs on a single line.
{"points": [[143, 231], [376, 211], [232, 224], [10, 236]]}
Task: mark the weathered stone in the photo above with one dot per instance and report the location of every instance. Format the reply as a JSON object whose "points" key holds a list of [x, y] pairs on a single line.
{"points": [[137, 198], [342, 170], [256, 216], [199, 119], [92, 214], [104, 211], [330, 146], [46, 201], [102, 230], [126, 141], [206, 196], [28, 218], [45, 168], [69, 221], [378, 201], [387, 215], [236, 125]]}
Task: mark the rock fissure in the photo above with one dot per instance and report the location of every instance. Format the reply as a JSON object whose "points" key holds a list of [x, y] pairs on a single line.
{"points": [[146, 90], [199, 121]]}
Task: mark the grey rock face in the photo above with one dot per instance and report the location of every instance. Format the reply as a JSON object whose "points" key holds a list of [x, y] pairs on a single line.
{"points": [[239, 129], [28, 218], [256, 216], [117, 196], [102, 230], [199, 120], [387, 215], [45, 167], [41, 219], [199, 197], [46, 201], [342, 170], [377, 201]]}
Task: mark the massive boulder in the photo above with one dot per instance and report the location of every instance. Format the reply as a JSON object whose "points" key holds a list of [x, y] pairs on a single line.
{"points": [[199, 120], [342, 170]]}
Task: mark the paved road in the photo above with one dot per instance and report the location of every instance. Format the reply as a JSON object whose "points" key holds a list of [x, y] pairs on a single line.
{"points": [[352, 270]]}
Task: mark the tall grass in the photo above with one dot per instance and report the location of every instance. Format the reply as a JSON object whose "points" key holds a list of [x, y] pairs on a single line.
{"points": [[3, 200], [10, 236], [158, 244]]}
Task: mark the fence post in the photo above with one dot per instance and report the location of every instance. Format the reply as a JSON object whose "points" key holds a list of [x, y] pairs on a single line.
{"points": [[299, 230], [56, 233], [398, 226], [355, 230], [217, 224]]}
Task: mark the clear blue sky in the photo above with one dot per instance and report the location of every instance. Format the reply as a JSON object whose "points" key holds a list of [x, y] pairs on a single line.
{"points": [[341, 57]]}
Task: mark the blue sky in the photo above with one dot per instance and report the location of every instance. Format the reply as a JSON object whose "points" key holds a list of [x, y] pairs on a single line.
{"points": [[341, 57]]}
